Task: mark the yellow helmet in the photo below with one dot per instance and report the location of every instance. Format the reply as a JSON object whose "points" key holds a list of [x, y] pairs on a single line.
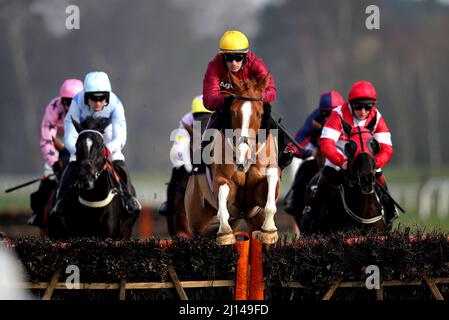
{"points": [[197, 105], [233, 41]]}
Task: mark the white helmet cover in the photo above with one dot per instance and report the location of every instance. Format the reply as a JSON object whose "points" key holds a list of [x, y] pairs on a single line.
{"points": [[97, 81]]}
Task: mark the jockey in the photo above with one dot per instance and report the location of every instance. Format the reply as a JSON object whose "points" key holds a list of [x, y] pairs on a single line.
{"points": [[52, 131], [180, 151], [233, 56], [308, 135], [98, 100], [358, 111]]}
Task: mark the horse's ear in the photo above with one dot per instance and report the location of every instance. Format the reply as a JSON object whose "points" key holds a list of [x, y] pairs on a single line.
{"points": [[346, 126], [350, 149], [263, 84], [372, 124], [235, 82], [77, 126]]}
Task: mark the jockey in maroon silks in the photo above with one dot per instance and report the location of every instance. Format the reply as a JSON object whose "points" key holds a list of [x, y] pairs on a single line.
{"points": [[359, 110], [234, 56]]}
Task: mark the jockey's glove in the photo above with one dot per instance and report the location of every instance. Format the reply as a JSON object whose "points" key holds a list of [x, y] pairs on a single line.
{"points": [[286, 158]]}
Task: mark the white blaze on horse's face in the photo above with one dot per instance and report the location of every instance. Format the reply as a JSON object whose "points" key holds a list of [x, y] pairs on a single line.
{"points": [[243, 148], [89, 144]]}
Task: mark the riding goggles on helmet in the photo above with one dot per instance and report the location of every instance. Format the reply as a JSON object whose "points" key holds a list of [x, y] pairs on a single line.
{"points": [[66, 101], [98, 97], [325, 113], [359, 106], [229, 57]]}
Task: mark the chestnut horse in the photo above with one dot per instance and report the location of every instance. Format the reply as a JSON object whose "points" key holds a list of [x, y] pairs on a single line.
{"points": [[355, 203], [245, 174]]}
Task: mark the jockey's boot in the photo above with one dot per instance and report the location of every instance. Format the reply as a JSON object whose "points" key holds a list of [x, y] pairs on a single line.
{"points": [[39, 200], [63, 187], [168, 207], [391, 213], [130, 202], [216, 121]]}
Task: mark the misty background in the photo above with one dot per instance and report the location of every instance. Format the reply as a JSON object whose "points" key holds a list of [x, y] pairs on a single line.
{"points": [[156, 53]]}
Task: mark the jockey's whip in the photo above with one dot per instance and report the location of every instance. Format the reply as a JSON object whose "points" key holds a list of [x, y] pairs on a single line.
{"points": [[28, 183], [284, 131], [389, 196]]}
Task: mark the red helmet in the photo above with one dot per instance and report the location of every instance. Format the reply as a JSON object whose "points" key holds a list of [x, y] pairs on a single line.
{"points": [[362, 89]]}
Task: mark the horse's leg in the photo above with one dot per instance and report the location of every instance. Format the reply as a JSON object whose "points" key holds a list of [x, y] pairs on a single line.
{"points": [[180, 225], [225, 235], [198, 216], [256, 222], [269, 234]]}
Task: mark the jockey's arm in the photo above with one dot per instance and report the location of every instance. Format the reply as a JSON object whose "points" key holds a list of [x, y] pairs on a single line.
{"points": [[118, 122], [48, 132], [328, 141], [212, 97], [70, 133], [383, 136], [305, 132]]}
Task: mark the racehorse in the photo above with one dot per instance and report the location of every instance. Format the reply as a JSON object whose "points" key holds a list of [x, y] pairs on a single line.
{"points": [[177, 223], [355, 203], [243, 178], [295, 197], [92, 205]]}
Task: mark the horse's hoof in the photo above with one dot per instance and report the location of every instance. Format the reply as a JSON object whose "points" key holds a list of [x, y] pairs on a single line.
{"points": [[226, 239], [267, 237]]}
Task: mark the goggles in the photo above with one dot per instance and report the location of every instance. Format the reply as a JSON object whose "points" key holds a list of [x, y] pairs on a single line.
{"points": [[359, 106], [98, 97], [229, 57], [66, 102]]}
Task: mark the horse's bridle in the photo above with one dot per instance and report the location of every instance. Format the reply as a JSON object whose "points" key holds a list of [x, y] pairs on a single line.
{"points": [[245, 139], [243, 98], [98, 172], [352, 182]]}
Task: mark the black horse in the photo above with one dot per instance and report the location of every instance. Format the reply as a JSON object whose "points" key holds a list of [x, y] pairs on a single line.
{"points": [[294, 200], [355, 203], [92, 204]]}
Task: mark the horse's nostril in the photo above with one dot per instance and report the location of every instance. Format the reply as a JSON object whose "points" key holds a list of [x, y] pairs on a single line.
{"points": [[240, 167]]}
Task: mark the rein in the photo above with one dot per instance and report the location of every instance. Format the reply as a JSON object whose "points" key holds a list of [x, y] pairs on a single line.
{"points": [[243, 98], [352, 214]]}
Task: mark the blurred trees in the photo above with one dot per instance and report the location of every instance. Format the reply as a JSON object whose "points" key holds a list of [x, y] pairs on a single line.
{"points": [[156, 63]]}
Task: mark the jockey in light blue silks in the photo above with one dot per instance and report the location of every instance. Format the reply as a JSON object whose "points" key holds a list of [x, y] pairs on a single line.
{"points": [[98, 101]]}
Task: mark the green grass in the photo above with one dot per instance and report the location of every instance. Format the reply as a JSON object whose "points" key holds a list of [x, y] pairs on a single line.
{"points": [[19, 200]]}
